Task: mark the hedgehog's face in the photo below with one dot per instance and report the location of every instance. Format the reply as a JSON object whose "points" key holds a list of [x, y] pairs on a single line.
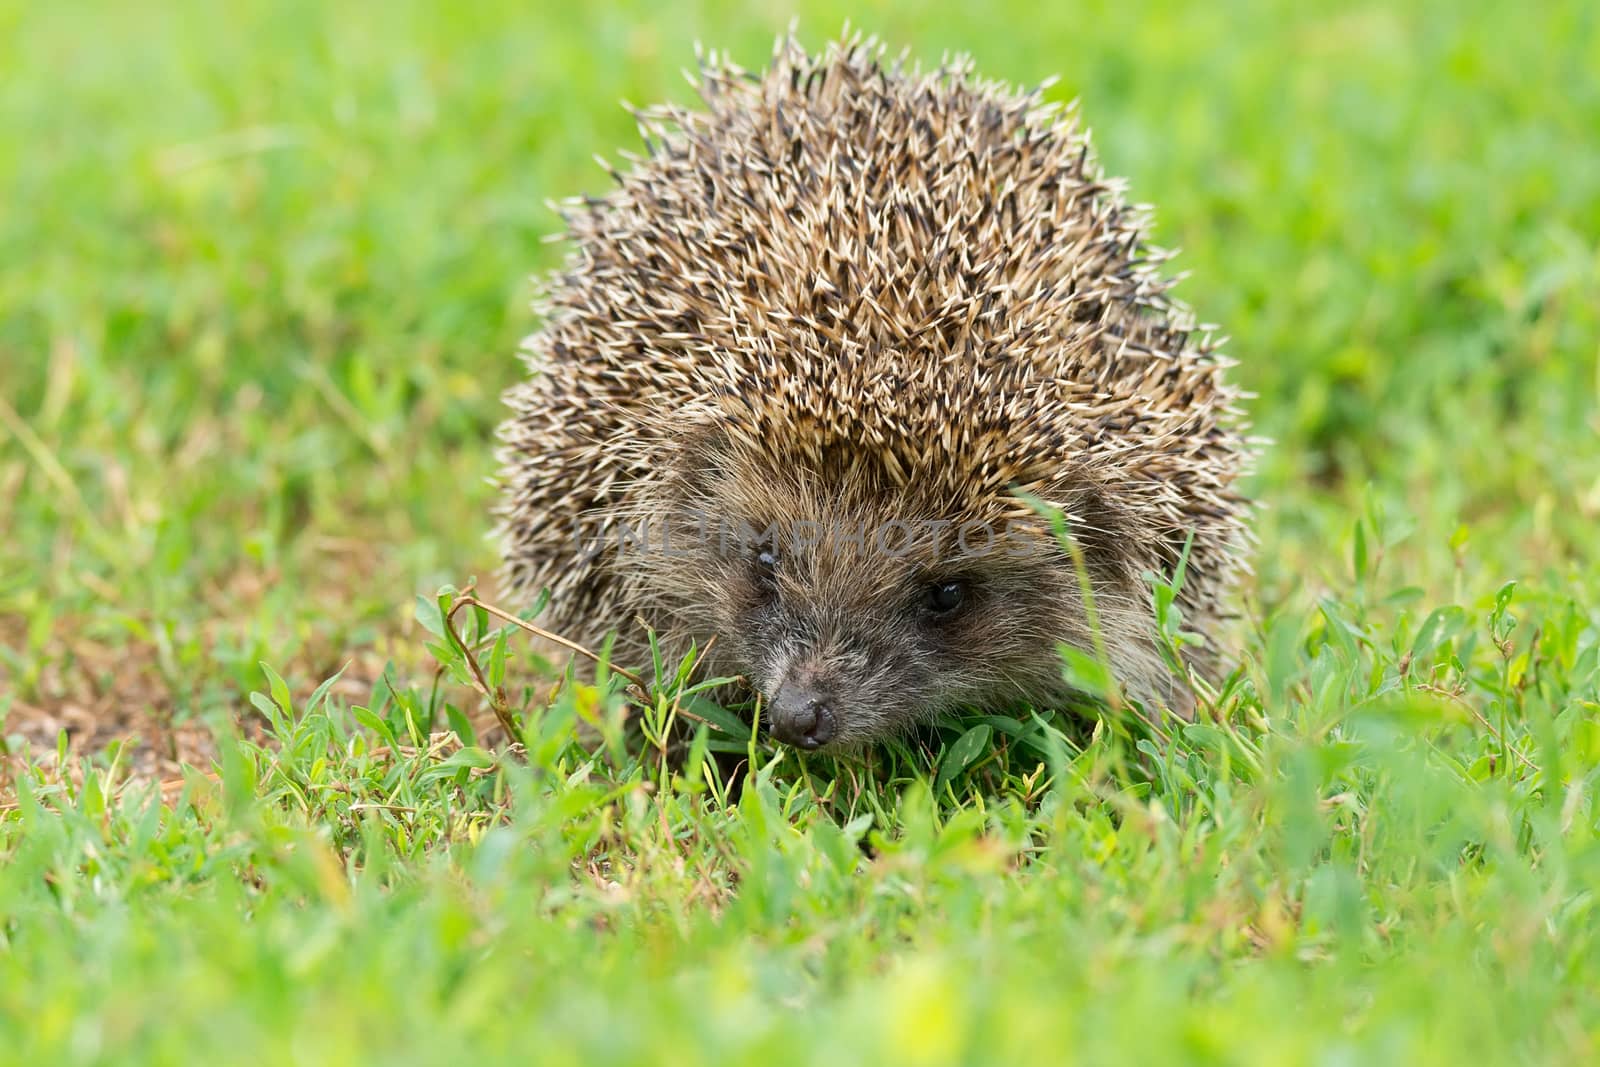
{"points": [[850, 641], [857, 612]]}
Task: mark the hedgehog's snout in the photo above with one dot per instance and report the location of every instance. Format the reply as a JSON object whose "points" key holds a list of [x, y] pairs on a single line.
{"points": [[823, 692], [802, 715]]}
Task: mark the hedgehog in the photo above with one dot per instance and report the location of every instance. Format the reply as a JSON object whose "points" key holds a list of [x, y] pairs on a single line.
{"points": [[866, 382]]}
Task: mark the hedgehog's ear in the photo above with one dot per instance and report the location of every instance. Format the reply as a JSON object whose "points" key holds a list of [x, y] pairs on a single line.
{"points": [[700, 457], [1097, 525]]}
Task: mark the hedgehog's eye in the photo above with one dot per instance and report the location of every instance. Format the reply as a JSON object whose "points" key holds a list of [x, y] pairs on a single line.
{"points": [[940, 599], [765, 564]]}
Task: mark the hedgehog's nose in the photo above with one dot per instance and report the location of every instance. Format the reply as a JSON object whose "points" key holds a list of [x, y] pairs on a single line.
{"points": [[801, 716]]}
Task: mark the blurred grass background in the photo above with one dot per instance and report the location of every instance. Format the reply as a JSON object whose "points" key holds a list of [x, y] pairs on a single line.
{"points": [[263, 273]]}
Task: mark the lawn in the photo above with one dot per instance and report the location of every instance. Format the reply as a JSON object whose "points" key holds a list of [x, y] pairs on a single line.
{"points": [[263, 271]]}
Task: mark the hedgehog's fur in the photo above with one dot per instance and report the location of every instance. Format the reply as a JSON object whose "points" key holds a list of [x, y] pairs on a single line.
{"points": [[850, 291]]}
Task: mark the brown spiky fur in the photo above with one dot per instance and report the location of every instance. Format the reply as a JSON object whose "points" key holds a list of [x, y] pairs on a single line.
{"points": [[851, 291]]}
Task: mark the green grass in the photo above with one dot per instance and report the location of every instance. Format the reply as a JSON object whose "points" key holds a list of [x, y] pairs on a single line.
{"points": [[261, 278]]}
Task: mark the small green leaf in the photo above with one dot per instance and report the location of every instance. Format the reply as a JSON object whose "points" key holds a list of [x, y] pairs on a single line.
{"points": [[376, 725], [279, 689], [961, 754], [429, 616], [321, 692]]}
